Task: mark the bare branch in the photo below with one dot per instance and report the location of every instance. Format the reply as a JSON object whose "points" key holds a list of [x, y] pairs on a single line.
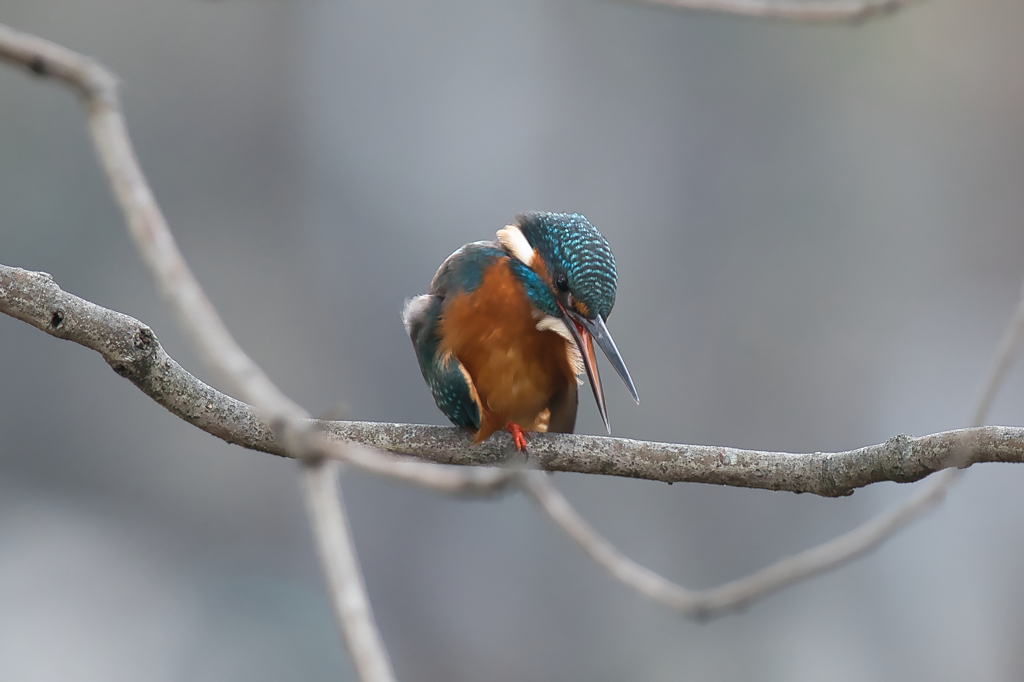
{"points": [[134, 352], [806, 11], [901, 459]]}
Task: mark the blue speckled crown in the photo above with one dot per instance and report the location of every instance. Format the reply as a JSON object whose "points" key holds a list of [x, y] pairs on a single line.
{"points": [[569, 243]]}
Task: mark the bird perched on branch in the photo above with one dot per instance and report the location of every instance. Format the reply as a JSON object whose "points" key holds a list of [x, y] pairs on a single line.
{"points": [[507, 327]]}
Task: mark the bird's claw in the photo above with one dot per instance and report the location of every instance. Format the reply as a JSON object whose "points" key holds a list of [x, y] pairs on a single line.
{"points": [[518, 436]]}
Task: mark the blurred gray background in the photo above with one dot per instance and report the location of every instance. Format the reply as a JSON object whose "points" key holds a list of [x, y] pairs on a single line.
{"points": [[819, 238]]}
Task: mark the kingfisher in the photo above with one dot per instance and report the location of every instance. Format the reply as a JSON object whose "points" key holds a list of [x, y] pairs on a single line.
{"points": [[507, 327]]}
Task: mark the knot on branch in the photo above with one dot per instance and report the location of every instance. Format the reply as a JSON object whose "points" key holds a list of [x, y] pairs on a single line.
{"points": [[900, 446], [144, 339], [903, 467], [136, 362]]}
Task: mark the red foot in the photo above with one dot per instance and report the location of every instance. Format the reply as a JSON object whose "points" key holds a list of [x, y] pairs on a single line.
{"points": [[518, 435]]}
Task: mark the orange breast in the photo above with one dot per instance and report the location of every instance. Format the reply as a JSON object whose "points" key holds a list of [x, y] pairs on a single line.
{"points": [[516, 368]]}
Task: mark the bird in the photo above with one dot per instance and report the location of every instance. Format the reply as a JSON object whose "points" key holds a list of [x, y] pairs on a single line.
{"points": [[507, 327]]}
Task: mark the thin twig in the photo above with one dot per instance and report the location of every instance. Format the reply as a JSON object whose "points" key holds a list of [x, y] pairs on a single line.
{"points": [[805, 11], [443, 479], [1001, 364], [734, 595]]}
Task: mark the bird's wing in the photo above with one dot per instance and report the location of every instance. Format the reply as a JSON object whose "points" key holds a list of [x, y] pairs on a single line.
{"points": [[449, 382]]}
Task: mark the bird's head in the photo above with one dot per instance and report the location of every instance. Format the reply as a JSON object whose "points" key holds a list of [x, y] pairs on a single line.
{"points": [[568, 271]]}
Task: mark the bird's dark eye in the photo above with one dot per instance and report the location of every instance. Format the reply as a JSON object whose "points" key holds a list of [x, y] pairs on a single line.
{"points": [[562, 282]]}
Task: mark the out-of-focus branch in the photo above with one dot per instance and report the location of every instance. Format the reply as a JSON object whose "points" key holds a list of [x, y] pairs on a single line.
{"points": [[732, 596], [1001, 363], [398, 450], [98, 89], [824, 557], [806, 11], [329, 521]]}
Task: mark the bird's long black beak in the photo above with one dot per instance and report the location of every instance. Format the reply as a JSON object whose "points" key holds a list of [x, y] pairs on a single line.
{"points": [[585, 332]]}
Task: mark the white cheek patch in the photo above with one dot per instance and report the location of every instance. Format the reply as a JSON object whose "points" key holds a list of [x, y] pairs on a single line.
{"points": [[553, 324], [513, 239]]}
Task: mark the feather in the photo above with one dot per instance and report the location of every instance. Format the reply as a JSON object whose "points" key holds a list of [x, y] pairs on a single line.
{"points": [[553, 324], [415, 310], [513, 239]]}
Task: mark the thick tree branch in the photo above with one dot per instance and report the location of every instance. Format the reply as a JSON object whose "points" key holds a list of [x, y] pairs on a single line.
{"points": [[806, 11], [134, 352]]}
